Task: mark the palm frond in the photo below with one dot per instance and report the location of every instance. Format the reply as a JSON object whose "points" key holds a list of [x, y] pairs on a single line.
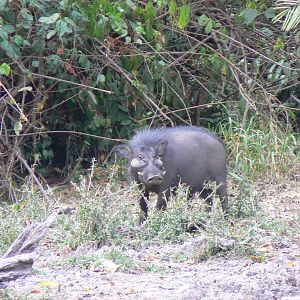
{"points": [[289, 14]]}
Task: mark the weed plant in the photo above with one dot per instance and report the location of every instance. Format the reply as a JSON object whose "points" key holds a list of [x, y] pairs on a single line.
{"points": [[260, 149], [14, 218], [101, 217], [114, 258], [108, 214]]}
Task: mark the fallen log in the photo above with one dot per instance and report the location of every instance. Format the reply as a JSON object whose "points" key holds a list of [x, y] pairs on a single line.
{"points": [[19, 258]]}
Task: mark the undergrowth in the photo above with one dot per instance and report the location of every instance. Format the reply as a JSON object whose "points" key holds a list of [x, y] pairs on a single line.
{"points": [[108, 214], [260, 150]]}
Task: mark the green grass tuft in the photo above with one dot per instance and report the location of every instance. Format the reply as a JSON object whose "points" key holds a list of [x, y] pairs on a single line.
{"points": [[260, 150]]}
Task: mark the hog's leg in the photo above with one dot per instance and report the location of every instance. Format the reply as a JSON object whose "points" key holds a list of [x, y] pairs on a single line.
{"points": [[206, 194], [144, 205], [222, 193], [162, 199]]}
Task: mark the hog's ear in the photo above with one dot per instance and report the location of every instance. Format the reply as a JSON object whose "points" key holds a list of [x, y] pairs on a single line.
{"points": [[160, 148], [123, 150]]}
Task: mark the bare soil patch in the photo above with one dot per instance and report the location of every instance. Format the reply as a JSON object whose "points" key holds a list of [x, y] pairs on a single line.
{"points": [[172, 272]]}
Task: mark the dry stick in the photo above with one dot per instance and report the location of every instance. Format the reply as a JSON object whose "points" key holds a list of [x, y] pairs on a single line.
{"points": [[53, 107], [19, 258], [256, 52], [240, 86], [122, 72], [295, 98], [31, 235], [250, 87], [188, 72], [5, 167], [190, 108], [185, 107], [14, 105], [14, 92], [68, 131], [177, 61], [234, 67], [3, 131], [19, 156], [10, 95], [61, 80], [231, 64]]}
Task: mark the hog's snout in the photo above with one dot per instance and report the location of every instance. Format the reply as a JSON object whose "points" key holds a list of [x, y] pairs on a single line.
{"points": [[154, 180]]}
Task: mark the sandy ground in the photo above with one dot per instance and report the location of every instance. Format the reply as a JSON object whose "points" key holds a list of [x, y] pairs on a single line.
{"points": [[276, 277]]}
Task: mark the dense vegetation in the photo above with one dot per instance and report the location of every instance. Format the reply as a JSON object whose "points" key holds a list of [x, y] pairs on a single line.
{"points": [[78, 76], [74, 70]]}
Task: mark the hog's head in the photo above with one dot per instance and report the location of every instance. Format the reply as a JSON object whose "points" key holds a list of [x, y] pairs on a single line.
{"points": [[145, 162]]}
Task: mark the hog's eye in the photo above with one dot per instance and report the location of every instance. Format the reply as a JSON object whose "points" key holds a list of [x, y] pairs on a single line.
{"points": [[158, 162]]}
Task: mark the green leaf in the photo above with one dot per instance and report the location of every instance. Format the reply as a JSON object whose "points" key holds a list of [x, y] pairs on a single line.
{"points": [[249, 15], [26, 43], [150, 11], [279, 44], [101, 78], [35, 63], [123, 108], [11, 49], [93, 97], [16, 207], [99, 121], [18, 127], [298, 52], [50, 34], [3, 34], [184, 16], [99, 28], [209, 26], [139, 11], [127, 40], [62, 27], [3, 4], [70, 22], [172, 7], [84, 61], [203, 20], [49, 20], [126, 122], [4, 69], [131, 4], [18, 40], [8, 28], [26, 14], [251, 4], [149, 31], [267, 31], [287, 70], [137, 27], [27, 18], [269, 13], [48, 154]]}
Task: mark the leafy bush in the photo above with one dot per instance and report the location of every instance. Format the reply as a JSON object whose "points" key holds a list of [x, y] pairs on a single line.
{"points": [[73, 70]]}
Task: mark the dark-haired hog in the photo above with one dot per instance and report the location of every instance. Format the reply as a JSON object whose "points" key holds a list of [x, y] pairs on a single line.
{"points": [[160, 159]]}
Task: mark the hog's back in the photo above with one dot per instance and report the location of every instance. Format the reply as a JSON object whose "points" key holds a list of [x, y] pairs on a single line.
{"points": [[193, 156]]}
